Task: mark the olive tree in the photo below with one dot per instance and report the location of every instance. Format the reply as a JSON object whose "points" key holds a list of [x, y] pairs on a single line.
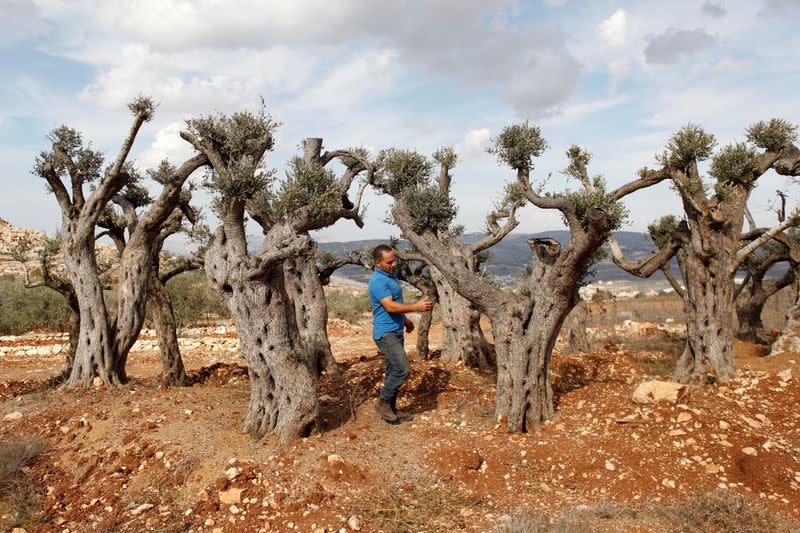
{"points": [[525, 325], [462, 336], [264, 288], [119, 223], [710, 251], [103, 344]]}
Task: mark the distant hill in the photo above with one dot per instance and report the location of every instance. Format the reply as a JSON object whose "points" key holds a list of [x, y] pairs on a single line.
{"points": [[511, 255]]}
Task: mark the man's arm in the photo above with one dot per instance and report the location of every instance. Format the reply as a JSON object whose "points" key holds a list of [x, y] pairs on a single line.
{"points": [[391, 306]]}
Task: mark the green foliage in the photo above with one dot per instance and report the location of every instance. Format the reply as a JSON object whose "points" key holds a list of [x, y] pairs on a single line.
{"points": [[306, 185], [136, 194], [513, 195], [772, 135], [163, 173], [661, 229], [517, 146], [689, 144], [446, 157], [579, 159], [143, 106], [353, 162], [348, 305], [22, 310], [602, 295], [88, 162], [401, 170], [585, 199], [735, 164], [430, 208], [241, 140], [193, 300]]}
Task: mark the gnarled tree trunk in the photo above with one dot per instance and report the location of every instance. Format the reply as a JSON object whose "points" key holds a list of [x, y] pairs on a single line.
{"points": [[524, 341], [283, 398], [94, 355], [172, 369], [462, 336], [708, 304], [307, 296], [74, 326]]}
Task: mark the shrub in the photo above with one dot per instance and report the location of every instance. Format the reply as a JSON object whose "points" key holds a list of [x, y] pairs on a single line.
{"points": [[19, 505], [348, 305], [22, 309], [193, 299]]}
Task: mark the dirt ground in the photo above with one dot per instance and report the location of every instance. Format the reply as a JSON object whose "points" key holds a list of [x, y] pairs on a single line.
{"points": [[145, 458]]}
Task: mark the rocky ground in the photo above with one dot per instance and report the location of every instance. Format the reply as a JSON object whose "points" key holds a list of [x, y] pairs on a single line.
{"points": [[145, 458]]}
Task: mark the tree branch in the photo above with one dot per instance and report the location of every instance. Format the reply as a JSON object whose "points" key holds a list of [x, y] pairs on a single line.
{"points": [[650, 177], [754, 245], [647, 266], [676, 286], [59, 190], [496, 232]]}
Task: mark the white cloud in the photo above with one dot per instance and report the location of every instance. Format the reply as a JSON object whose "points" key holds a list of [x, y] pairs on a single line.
{"points": [[474, 143], [613, 29], [555, 3], [537, 89]]}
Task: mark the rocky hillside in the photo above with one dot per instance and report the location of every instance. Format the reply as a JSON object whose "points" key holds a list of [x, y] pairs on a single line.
{"points": [[10, 236]]}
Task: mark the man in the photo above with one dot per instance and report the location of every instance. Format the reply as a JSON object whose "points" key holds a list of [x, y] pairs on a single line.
{"points": [[388, 323]]}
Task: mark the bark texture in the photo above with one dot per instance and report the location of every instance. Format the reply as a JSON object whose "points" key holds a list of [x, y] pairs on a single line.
{"points": [[462, 336], [172, 370], [304, 288]]}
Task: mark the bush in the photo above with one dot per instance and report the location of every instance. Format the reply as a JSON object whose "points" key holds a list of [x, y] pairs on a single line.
{"points": [[19, 505], [193, 299], [22, 309], [348, 305]]}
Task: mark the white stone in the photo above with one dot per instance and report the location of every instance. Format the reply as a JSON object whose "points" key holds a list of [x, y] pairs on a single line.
{"points": [[231, 496], [749, 451], [654, 391], [16, 415], [610, 466], [354, 523], [142, 508]]}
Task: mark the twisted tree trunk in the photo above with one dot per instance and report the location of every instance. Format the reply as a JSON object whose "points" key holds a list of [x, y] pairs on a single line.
{"points": [[283, 398], [172, 369], [94, 354], [307, 297], [708, 304], [462, 336], [524, 341]]}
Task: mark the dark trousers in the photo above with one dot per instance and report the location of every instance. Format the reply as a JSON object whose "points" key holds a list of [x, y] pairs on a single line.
{"points": [[397, 367]]}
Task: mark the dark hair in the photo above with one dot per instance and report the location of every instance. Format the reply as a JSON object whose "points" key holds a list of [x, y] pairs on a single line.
{"points": [[377, 253]]}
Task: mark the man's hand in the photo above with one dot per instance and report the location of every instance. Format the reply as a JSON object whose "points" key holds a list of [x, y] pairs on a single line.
{"points": [[409, 326], [424, 305]]}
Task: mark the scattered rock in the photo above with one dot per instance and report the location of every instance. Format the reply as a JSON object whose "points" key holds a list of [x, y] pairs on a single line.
{"points": [[231, 496], [785, 375], [231, 473], [712, 468], [354, 523], [724, 425], [668, 483], [335, 459], [677, 433], [142, 508], [610, 466], [749, 451], [654, 391], [233, 509], [684, 417], [16, 415], [97, 382], [209, 522]]}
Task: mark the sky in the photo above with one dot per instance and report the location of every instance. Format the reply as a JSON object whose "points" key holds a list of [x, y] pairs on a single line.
{"points": [[617, 78]]}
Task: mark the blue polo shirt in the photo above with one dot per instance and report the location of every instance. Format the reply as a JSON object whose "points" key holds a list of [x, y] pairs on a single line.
{"points": [[381, 285]]}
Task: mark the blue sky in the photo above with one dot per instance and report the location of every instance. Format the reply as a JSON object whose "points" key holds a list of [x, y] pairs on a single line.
{"points": [[614, 77]]}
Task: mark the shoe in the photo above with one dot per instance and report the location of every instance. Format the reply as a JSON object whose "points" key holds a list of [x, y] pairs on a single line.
{"points": [[383, 409], [402, 416]]}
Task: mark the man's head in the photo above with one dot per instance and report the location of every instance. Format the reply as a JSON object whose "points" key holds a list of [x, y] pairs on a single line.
{"points": [[384, 257]]}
